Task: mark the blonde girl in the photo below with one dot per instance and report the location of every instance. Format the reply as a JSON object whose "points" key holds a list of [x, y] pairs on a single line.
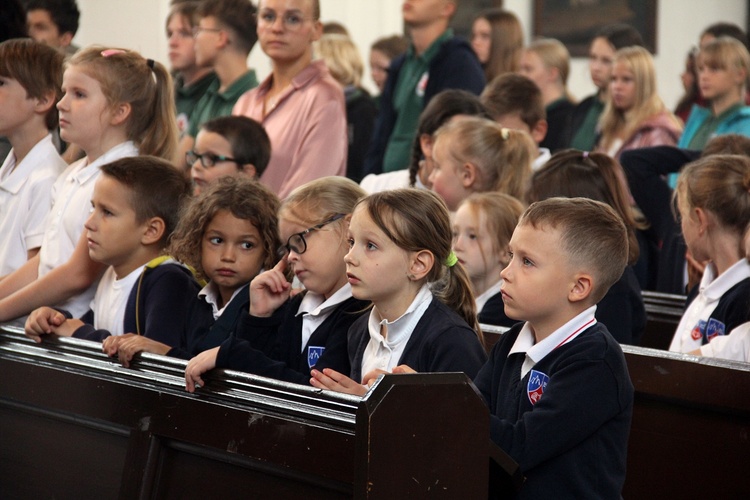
{"points": [[635, 116], [475, 155], [115, 104], [423, 312], [723, 68], [713, 199], [546, 62], [482, 227], [285, 335], [227, 235]]}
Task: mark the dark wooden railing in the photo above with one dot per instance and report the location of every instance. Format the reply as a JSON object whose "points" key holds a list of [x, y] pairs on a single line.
{"points": [[75, 424]]}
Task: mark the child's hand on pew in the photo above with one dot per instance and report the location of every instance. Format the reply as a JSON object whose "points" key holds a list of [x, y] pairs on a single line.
{"points": [[334, 381], [199, 365], [128, 345]]}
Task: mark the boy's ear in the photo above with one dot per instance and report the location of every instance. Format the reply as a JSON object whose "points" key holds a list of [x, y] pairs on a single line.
{"points": [[468, 174], [153, 231], [45, 103], [582, 287], [539, 132], [249, 170], [120, 113], [65, 39], [421, 264]]}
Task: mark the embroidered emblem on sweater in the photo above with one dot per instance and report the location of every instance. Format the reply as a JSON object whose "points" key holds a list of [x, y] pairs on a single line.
{"points": [[313, 355], [537, 383], [714, 329], [697, 331]]}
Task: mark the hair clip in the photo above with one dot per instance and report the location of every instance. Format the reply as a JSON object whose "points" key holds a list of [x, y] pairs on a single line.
{"points": [[451, 260], [585, 154], [505, 133], [150, 63], [111, 52]]}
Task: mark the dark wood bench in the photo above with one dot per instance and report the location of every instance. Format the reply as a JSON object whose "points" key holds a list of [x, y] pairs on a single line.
{"points": [[663, 313], [75, 424]]}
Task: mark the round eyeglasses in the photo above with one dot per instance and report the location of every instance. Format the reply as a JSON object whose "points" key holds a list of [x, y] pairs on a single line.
{"points": [[208, 160], [296, 242]]}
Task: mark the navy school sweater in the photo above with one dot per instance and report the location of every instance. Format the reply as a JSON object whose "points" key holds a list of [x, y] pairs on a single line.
{"points": [[167, 293], [272, 347], [572, 443], [441, 342]]}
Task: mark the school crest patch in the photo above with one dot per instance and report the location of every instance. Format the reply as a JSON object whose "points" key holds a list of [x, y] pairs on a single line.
{"points": [[537, 383], [697, 332], [313, 355], [714, 329]]}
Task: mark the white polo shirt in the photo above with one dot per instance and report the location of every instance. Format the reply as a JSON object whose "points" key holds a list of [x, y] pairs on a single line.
{"points": [[71, 196], [526, 342], [25, 201], [111, 300], [710, 291], [735, 345]]}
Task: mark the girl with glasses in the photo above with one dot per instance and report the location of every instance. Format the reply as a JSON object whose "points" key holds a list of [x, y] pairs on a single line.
{"points": [[286, 334], [300, 104]]}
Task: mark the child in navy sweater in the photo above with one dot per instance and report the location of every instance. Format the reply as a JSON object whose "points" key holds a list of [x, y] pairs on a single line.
{"points": [[557, 386], [482, 228], [423, 312], [714, 204], [228, 234], [285, 335], [134, 210]]}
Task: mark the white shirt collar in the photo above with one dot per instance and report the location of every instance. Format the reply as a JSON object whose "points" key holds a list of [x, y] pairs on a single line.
{"points": [[714, 287], [210, 293], [314, 304], [401, 327], [535, 352], [482, 299]]}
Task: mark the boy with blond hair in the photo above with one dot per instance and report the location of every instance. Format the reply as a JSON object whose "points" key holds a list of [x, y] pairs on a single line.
{"points": [[558, 388], [30, 77]]}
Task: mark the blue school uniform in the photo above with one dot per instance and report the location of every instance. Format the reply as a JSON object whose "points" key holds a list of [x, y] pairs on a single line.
{"points": [[566, 418], [156, 306], [440, 342], [272, 347]]}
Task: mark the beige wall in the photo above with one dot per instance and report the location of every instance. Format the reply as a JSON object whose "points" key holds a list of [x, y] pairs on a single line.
{"points": [[139, 24]]}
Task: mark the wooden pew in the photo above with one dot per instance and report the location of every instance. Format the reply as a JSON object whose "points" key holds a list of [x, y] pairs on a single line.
{"points": [[663, 313], [75, 424], [690, 436]]}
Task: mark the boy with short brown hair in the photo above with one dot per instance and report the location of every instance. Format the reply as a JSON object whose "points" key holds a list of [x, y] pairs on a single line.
{"points": [[558, 388]]}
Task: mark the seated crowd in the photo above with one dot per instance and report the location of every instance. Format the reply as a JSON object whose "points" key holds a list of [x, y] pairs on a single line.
{"points": [[302, 230]]}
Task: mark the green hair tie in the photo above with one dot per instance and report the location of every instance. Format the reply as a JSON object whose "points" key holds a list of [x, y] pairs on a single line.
{"points": [[451, 260]]}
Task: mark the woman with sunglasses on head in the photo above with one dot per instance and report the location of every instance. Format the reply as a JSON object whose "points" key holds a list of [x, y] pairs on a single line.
{"points": [[300, 105], [285, 335]]}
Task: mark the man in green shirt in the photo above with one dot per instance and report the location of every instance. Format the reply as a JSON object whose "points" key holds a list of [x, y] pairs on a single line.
{"points": [[224, 37], [435, 61]]}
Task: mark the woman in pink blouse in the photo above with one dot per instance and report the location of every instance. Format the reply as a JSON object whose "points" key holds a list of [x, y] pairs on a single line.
{"points": [[300, 105]]}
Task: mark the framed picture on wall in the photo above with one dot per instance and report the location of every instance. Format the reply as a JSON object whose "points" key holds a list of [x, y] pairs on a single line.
{"points": [[575, 22]]}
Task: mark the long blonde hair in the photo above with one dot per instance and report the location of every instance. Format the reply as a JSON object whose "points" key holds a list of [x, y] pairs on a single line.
{"points": [[646, 103]]}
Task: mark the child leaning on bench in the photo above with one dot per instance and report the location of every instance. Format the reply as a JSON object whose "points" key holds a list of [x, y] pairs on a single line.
{"points": [[135, 206], [558, 389]]}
